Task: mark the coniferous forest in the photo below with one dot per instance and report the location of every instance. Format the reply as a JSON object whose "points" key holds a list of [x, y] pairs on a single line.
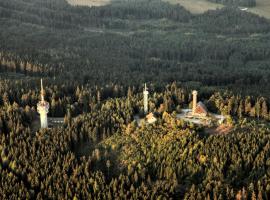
{"points": [[94, 62]]}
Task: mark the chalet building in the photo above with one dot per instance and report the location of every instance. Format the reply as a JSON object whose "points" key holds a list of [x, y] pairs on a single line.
{"points": [[200, 110]]}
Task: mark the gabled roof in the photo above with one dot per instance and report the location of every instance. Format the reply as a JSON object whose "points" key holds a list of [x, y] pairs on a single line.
{"points": [[201, 108]]}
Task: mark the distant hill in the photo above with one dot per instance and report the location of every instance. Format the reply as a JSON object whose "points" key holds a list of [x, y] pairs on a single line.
{"points": [[89, 3]]}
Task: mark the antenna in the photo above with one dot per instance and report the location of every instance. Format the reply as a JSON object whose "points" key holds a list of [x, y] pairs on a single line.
{"points": [[42, 90], [41, 84]]}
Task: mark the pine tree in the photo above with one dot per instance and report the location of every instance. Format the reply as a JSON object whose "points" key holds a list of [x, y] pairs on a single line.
{"points": [[108, 165], [240, 109], [257, 108], [247, 106], [264, 113], [253, 197]]}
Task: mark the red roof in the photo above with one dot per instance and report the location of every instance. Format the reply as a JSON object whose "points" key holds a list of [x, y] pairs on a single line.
{"points": [[201, 109]]}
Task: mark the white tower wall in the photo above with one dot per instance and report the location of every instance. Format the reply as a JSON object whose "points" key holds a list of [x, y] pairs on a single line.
{"points": [[194, 104], [43, 109], [43, 118], [145, 99]]}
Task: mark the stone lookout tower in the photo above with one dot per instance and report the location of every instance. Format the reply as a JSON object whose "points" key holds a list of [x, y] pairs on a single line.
{"points": [[198, 109], [43, 109], [194, 103]]}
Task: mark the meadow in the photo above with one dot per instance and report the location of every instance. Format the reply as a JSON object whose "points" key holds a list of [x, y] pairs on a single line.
{"points": [[194, 6], [200, 6], [89, 3]]}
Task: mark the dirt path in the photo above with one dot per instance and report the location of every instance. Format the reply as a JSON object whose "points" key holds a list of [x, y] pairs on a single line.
{"points": [[220, 130]]}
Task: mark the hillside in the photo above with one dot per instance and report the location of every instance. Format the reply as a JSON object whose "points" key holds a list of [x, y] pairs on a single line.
{"points": [[142, 40], [262, 7], [94, 62]]}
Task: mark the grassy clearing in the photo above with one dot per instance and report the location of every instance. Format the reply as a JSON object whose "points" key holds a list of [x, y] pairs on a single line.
{"points": [[196, 6], [200, 6], [262, 8], [89, 3]]}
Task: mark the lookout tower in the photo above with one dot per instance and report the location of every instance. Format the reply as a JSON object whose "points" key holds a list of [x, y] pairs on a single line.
{"points": [[198, 109], [194, 103], [43, 109], [145, 99]]}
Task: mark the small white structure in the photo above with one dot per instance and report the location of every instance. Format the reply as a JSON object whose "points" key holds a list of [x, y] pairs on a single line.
{"points": [[150, 118], [221, 119], [145, 99], [43, 109]]}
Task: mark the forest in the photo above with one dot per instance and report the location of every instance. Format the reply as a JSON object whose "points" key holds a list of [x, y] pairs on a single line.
{"points": [[94, 63]]}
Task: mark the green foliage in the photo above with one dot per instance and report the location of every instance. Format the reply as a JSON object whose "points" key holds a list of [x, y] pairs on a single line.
{"points": [[94, 61]]}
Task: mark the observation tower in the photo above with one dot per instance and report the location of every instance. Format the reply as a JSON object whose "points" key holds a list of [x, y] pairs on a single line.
{"points": [[43, 109], [145, 99]]}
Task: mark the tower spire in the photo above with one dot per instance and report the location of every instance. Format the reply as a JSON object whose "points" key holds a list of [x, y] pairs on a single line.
{"points": [[194, 103], [42, 92]]}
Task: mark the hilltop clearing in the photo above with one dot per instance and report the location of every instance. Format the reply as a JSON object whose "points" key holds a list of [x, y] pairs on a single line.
{"points": [[196, 6], [89, 3], [200, 6]]}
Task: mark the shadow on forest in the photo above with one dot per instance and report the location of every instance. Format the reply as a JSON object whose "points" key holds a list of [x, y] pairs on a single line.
{"points": [[84, 148]]}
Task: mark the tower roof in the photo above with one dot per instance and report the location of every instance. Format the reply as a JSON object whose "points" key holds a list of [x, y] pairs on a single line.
{"points": [[201, 108], [194, 92], [145, 87]]}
